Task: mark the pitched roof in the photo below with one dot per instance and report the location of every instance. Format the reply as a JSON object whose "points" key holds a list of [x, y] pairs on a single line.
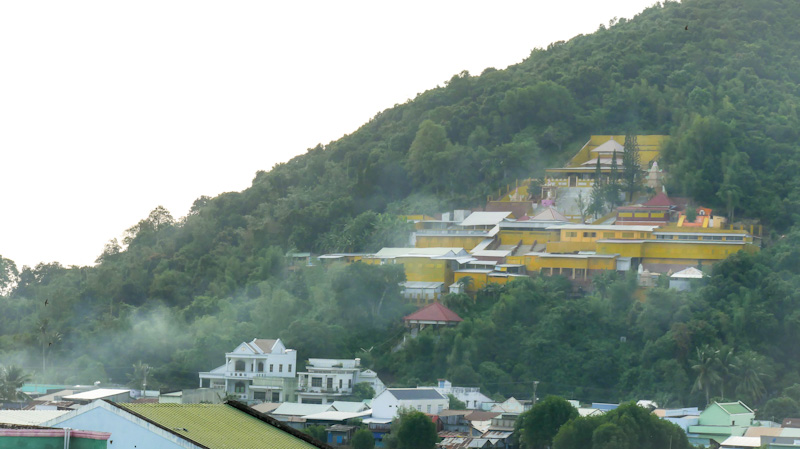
{"points": [[410, 394], [218, 426], [263, 344], [549, 214], [348, 406], [689, 273], [297, 409], [609, 147], [734, 408], [433, 312], [96, 394], [29, 417], [479, 415], [485, 218], [660, 200]]}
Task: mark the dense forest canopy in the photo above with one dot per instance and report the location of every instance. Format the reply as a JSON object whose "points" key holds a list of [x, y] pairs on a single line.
{"points": [[720, 76]]}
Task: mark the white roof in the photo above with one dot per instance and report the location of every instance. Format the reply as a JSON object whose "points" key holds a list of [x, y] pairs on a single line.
{"points": [[29, 417], [485, 218], [91, 395], [337, 416], [492, 253], [609, 147], [420, 252], [689, 273], [420, 284], [741, 442], [588, 227], [295, 409]]}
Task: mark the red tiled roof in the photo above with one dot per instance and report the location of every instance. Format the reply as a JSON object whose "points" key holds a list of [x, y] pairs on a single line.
{"points": [[433, 312], [661, 200]]}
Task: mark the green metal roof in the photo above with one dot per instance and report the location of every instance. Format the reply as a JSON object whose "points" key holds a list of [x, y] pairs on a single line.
{"points": [[218, 426], [734, 408]]}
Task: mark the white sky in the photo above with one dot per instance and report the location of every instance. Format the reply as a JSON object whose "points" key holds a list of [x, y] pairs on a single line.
{"points": [[109, 109]]}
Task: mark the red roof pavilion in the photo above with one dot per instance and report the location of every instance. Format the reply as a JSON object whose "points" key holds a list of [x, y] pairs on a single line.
{"points": [[433, 314]]}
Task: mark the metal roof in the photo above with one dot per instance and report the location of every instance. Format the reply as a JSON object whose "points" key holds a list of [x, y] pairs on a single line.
{"points": [[95, 394], [485, 218], [411, 394], [589, 227], [295, 409]]}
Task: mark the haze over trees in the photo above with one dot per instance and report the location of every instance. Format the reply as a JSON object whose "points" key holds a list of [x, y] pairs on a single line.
{"points": [[176, 294]]}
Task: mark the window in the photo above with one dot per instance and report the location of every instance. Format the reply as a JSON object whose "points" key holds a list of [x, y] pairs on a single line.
{"points": [[572, 234], [419, 408], [330, 383], [280, 368], [340, 383], [316, 382], [290, 368], [240, 365], [260, 367], [642, 235], [238, 387], [627, 235], [270, 367], [429, 408], [349, 383], [731, 238], [276, 396], [590, 234]]}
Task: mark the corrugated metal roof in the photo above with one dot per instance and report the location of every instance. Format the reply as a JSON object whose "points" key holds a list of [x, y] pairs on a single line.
{"points": [[95, 394], [218, 426], [29, 417], [295, 409], [410, 394], [485, 218]]}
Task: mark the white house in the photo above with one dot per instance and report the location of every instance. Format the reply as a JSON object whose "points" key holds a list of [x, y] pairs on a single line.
{"points": [[328, 380], [259, 359], [392, 400], [470, 396]]}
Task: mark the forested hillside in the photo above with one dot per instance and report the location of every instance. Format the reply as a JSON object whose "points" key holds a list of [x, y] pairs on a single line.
{"points": [[720, 76]]}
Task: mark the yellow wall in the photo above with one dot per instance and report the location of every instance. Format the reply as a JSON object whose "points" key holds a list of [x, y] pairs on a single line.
{"points": [[649, 148], [570, 247], [665, 249], [423, 269], [623, 249], [448, 241], [479, 280], [508, 237]]}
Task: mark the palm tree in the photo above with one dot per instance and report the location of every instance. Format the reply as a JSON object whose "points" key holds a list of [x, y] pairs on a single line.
{"points": [[706, 365], [12, 378], [752, 372], [728, 365], [139, 376]]}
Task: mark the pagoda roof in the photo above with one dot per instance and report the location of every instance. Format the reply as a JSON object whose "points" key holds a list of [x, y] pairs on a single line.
{"points": [[549, 214], [660, 200], [433, 312], [609, 147]]}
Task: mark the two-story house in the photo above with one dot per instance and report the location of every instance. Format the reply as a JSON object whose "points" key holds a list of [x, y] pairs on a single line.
{"points": [[258, 370], [328, 380]]}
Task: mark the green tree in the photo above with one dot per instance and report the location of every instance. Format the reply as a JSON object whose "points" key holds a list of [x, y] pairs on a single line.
{"points": [[416, 431], [706, 366], [9, 276], [753, 371], [537, 427], [363, 439], [631, 166], [425, 163], [455, 403], [363, 390], [317, 432], [776, 409], [12, 378]]}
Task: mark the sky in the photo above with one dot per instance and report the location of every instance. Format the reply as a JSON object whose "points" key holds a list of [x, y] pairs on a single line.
{"points": [[109, 109]]}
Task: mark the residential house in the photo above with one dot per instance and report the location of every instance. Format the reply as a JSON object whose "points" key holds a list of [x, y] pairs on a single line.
{"points": [[260, 370], [470, 396], [719, 421], [328, 380], [340, 434], [185, 426], [392, 400], [682, 417], [455, 421]]}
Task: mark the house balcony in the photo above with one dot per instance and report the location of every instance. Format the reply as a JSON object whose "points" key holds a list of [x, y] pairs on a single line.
{"points": [[323, 391], [236, 375]]}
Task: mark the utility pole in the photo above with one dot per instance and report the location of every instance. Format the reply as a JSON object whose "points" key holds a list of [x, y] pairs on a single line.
{"points": [[535, 384]]}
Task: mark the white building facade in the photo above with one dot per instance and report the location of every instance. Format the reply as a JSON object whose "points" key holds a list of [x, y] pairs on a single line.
{"points": [[470, 396], [392, 400], [260, 359], [328, 380]]}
